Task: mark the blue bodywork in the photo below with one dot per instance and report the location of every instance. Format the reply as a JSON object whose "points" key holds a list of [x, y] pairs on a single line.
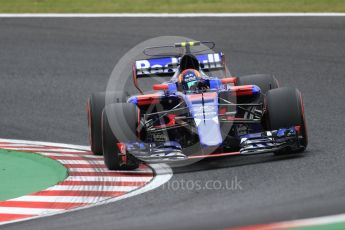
{"points": [[204, 109]]}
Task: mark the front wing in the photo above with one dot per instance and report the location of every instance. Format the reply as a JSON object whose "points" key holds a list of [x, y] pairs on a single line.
{"points": [[257, 143]]}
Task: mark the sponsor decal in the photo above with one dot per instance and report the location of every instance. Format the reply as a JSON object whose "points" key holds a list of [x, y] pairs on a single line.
{"points": [[169, 64], [159, 137], [156, 66], [170, 154]]}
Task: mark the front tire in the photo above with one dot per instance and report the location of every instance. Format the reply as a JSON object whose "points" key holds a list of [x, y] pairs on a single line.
{"points": [[119, 124], [285, 109]]}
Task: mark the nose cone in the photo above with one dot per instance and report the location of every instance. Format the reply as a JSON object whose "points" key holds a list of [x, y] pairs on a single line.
{"points": [[204, 109]]}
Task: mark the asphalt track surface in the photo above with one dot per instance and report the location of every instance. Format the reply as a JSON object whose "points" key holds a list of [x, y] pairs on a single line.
{"points": [[48, 67]]}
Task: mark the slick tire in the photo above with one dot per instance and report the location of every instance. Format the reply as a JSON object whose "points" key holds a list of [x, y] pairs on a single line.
{"points": [[265, 82], [94, 107], [284, 109], [119, 125]]}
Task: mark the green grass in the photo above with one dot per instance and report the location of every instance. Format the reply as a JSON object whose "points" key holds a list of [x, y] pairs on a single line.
{"points": [[331, 226], [25, 173], [169, 6]]}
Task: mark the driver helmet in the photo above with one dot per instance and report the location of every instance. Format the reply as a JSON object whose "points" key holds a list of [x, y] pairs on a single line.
{"points": [[189, 79]]}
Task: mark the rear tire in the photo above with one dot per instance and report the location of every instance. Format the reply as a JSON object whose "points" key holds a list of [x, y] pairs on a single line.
{"points": [[264, 81], [95, 106], [119, 124], [285, 109]]}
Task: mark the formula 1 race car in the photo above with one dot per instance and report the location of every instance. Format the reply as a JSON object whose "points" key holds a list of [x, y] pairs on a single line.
{"points": [[195, 114]]}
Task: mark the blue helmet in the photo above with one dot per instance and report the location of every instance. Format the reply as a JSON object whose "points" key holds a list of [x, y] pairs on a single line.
{"points": [[189, 79]]}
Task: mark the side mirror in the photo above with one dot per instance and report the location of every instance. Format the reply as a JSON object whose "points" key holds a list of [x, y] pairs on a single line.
{"points": [[171, 87], [160, 87], [228, 80]]}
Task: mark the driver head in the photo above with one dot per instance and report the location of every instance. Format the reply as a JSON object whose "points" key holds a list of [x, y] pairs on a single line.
{"points": [[189, 79]]}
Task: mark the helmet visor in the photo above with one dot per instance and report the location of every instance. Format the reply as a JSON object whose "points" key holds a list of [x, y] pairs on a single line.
{"points": [[192, 84]]}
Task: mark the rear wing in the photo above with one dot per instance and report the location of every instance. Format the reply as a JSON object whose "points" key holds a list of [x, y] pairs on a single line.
{"points": [[167, 66]]}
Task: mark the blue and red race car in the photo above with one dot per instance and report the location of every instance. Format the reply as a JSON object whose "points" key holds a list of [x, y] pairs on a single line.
{"points": [[195, 114]]}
